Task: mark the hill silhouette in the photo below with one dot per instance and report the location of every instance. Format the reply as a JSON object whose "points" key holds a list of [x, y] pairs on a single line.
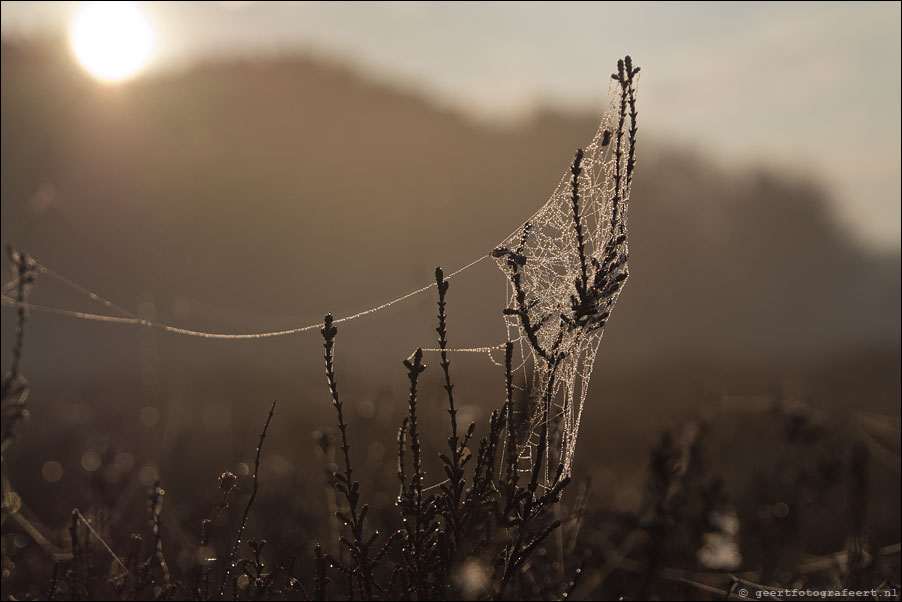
{"points": [[291, 187]]}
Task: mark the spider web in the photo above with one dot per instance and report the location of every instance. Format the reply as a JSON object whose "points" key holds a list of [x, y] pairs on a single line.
{"points": [[566, 267]]}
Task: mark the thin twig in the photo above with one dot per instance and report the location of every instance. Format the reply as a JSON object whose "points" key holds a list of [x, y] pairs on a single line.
{"points": [[97, 536], [250, 502]]}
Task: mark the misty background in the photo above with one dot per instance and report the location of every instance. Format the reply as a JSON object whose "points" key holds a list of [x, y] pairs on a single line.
{"points": [[279, 162]]}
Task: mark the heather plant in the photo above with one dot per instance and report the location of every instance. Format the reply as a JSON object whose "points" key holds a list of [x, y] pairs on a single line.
{"points": [[473, 536], [15, 385]]}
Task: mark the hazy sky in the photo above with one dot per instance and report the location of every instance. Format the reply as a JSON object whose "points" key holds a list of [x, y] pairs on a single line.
{"points": [[812, 89]]}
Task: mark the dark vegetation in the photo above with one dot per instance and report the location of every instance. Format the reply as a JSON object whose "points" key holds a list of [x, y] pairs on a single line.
{"points": [[485, 533], [803, 478]]}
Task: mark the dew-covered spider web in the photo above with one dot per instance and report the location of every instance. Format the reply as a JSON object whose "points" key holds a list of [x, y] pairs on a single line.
{"points": [[565, 269]]}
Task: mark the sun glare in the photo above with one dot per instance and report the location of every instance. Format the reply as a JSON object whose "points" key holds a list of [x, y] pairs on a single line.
{"points": [[112, 40]]}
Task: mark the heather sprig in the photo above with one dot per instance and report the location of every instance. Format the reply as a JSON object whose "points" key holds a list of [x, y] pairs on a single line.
{"points": [[359, 574], [231, 564]]}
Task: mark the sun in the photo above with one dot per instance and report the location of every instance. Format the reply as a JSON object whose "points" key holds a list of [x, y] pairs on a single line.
{"points": [[112, 40]]}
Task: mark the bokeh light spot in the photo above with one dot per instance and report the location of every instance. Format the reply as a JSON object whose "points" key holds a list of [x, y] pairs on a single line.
{"points": [[52, 471], [91, 461]]}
